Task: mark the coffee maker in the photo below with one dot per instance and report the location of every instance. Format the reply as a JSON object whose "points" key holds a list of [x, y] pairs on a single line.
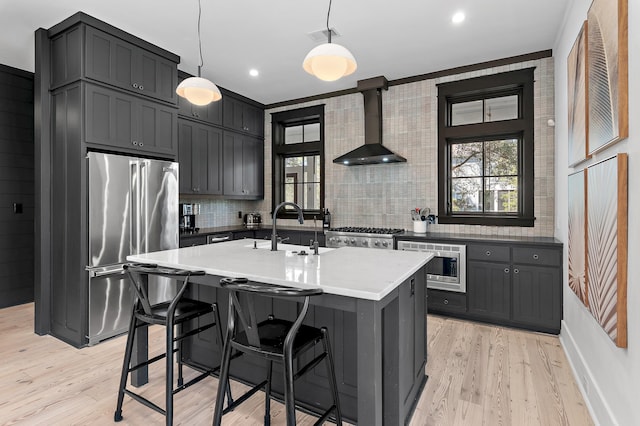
{"points": [[188, 213]]}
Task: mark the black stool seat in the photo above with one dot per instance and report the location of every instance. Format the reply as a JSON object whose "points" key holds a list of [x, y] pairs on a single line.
{"points": [[276, 340], [272, 333], [186, 310], [174, 313]]}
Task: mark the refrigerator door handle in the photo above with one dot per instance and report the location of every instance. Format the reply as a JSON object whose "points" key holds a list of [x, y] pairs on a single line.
{"points": [[143, 217], [134, 215], [105, 271]]}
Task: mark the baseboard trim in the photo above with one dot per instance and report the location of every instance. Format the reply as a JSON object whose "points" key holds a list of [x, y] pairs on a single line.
{"points": [[596, 404]]}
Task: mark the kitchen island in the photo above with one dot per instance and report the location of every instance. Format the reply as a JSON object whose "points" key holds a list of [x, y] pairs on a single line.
{"points": [[374, 305]]}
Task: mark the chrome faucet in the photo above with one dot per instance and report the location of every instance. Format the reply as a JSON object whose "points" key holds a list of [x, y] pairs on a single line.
{"points": [[274, 233]]}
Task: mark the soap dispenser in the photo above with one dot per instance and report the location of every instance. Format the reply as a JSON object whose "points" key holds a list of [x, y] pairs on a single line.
{"points": [[326, 219]]}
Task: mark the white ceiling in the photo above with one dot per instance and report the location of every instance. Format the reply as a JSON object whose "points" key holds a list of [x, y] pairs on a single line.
{"points": [[395, 38]]}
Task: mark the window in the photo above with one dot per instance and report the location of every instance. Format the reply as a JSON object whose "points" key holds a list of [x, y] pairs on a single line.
{"points": [[298, 160], [485, 150]]}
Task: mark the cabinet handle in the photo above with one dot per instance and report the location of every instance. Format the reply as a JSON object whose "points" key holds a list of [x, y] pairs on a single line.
{"points": [[135, 85], [536, 257], [140, 143], [516, 270], [506, 270], [446, 301], [141, 87], [135, 143], [488, 253]]}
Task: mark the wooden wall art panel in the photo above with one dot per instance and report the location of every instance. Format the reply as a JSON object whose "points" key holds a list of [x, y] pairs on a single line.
{"points": [[607, 73], [577, 96], [578, 235], [607, 246]]}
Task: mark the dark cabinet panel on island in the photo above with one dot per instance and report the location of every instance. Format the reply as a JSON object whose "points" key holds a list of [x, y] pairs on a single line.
{"points": [[200, 158]]}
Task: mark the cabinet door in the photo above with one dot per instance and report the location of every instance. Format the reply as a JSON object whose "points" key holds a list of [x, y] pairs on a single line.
{"points": [[232, 153], [233, 109], [489, 289], [157, 127], [116, 62], [208, 154], [253, 167], [252, 120], [109, 117], [188, 173], [155, 76], [537, 296], [242, 116]]}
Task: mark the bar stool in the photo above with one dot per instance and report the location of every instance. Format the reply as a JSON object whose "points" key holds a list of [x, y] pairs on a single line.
{"points": [[175, 312], [275, 340]]}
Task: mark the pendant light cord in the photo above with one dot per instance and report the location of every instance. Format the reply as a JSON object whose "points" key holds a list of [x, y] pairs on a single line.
{"points": [[201, 64], [328, 29]]}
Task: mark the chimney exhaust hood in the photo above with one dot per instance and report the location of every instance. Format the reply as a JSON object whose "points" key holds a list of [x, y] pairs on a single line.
{"points": [[372, 152]]}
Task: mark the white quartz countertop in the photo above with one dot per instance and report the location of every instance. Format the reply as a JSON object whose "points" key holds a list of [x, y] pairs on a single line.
{"points": [[347, 271]]}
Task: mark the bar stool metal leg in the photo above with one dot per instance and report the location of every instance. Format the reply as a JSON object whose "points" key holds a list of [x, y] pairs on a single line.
{"points": [[267, 397], [125, 368], [331, 374], [223, 378], [169, 374]]}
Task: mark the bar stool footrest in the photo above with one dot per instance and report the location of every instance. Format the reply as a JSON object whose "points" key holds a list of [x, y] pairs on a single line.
{"points": [[244, 397], [145, 401]]}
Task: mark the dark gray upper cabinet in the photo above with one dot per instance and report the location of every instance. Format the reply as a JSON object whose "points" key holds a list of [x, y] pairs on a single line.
{"points": [[242, 116], [200, 158], [211, 114], [116, 62], [114, 119], [243, 166]]}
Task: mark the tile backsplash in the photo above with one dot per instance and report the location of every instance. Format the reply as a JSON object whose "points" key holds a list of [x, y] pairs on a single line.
{"points": [[382, 195]]}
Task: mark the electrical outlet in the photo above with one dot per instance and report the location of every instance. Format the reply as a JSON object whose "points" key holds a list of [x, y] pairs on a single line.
{"points": [[239, 215]]}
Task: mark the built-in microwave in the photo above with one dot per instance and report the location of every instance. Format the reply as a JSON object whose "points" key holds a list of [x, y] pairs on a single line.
{"points": [[447, 269]]}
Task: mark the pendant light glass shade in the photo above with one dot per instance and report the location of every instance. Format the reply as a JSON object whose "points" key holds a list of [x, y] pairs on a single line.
{"points": [[199, 91], [329, 62]]}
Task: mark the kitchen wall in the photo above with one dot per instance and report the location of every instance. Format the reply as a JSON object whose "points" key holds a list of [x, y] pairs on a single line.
{"points": [[215, 212], [608, 376], [16, 186], [382, 195]]}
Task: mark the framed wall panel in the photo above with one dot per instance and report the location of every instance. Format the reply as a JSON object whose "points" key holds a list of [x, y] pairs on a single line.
{"points": [[607, 73], [577, 97], [577, 244], [607, 246]]}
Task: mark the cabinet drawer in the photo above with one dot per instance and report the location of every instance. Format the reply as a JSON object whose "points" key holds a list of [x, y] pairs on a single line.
{"points": [[488, 252], [193, 241], [449, 301], [537, 256]]}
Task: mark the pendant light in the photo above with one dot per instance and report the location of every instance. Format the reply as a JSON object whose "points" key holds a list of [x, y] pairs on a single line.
{"points": [[198, 90], [329, 61]]}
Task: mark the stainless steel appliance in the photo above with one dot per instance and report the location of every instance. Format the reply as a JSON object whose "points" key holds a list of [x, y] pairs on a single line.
{"points": [[188, 213], [348, 236], [133, 208], [252, 220], [447, 268]]}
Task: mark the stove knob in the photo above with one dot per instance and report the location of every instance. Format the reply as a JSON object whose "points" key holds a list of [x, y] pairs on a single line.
{"points": [[376, 243], [353, 241], [385, 244], [365, 243]]}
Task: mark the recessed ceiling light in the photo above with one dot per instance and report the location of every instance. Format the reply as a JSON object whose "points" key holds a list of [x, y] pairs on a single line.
{"points": [[254, 72], [457, 17]]}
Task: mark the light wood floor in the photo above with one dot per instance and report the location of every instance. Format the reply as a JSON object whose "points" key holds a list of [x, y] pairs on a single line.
{"points": [[478, 375]]}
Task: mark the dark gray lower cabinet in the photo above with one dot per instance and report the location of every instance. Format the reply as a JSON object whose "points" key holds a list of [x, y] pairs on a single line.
{"points": [[445, 302], [537, 296], [489, 289]]}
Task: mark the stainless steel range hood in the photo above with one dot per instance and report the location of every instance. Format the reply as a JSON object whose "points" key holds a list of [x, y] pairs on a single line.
{"points": [[372, 152]]}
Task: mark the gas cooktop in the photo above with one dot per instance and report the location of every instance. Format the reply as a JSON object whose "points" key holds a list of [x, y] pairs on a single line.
{"points": [[366, 230]]}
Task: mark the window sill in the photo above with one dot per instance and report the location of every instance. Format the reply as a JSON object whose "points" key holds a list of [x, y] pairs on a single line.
{"points": [[487, 220]]}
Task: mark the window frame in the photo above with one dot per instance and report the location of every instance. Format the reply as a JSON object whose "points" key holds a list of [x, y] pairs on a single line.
{"points": [[280, 151], [486, 87]]}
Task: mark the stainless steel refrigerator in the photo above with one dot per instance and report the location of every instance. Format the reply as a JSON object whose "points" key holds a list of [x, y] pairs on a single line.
{"points": [[133, 208]]}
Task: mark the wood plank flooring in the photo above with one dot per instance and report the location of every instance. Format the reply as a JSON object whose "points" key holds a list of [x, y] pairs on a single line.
{"points": [[478, 375]]}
